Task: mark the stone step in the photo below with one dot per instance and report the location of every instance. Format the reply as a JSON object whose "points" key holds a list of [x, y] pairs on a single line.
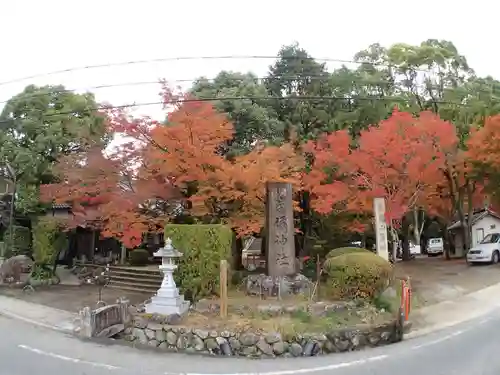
{"points": [[136, 280], [135, 270], [123, 270], [135, 275], [133, 288]]}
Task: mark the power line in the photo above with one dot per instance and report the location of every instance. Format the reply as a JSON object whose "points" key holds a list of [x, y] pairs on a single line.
{"points": [[186, 58], [250, 98], [144, 83]]}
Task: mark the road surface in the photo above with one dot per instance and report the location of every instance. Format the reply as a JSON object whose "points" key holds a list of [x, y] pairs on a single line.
{"points": [[471, 348]]}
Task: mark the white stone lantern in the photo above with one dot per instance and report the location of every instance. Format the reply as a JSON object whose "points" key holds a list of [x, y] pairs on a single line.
{"points": [[167, 300]]}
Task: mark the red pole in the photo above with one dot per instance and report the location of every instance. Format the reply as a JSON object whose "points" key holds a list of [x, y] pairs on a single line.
{"points": [[403, 286]]}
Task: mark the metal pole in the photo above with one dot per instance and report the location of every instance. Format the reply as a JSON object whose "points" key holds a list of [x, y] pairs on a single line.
{"points": [[11, 220], [12, 174]]}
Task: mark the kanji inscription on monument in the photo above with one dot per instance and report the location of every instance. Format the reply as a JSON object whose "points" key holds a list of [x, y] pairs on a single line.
{"points": [[280, 230], [380, 228]]}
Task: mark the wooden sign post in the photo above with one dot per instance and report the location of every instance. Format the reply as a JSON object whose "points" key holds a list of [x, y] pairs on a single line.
{"points": [[223, 288]]}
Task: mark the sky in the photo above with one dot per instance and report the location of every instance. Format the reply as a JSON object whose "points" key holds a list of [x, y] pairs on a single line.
{"points": [[38, 37]]}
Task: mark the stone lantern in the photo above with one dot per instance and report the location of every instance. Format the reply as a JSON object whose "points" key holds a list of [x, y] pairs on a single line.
{"points": [[167, 300]]}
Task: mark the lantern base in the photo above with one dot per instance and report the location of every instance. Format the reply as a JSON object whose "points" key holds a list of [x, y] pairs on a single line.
{"points": [[167, 305]]}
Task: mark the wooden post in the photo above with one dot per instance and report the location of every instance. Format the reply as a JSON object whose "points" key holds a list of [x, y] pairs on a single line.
{"points": [[92, 246], [318, 272], [223, 288], [409, 297]]}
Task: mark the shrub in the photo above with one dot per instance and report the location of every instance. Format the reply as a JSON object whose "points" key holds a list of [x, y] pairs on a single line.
{"points": [[139, 257], [357, 275], [203, 247], [345, 250], [48, 240], [21, 241]]}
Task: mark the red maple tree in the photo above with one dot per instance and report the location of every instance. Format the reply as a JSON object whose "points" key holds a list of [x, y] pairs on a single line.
{"points": [[400, 159]]}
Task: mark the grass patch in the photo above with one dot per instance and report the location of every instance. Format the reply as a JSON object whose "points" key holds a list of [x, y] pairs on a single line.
{"points": [[298, 322]]}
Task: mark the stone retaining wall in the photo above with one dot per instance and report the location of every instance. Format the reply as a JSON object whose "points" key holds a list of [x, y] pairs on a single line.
{"points": [[257, 345]]}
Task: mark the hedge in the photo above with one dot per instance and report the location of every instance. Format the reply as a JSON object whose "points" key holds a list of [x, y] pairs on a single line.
{"points": [[139, 257], [203, 247], [21, 241], [357, 275], [345, 250], [48, 239]]}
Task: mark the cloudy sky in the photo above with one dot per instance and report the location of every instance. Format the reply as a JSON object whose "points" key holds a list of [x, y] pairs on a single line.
{"points": [[38, 37]]}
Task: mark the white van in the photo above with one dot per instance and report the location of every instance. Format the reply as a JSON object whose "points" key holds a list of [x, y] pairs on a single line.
{"points": [[435, 246]]}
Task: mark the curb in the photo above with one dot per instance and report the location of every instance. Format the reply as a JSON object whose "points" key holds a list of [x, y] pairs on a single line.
{"points": [[37, 323], [469, 316], [68, 327]]}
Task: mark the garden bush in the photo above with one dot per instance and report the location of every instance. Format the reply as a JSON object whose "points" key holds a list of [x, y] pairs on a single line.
{"points": [[357, 275], [139, 257], [48, 240], [203, 247], [345, 250], [21, 241]]}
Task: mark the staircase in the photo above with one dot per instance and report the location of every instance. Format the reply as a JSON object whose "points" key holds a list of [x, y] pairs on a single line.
{"points": [[133, 279]]}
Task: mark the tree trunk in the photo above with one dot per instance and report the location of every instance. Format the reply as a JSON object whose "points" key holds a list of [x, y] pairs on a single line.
{"points": [[406, 249], [418, 225], [458, 194], [470, 213], [395, 242], [305, 217], [446, 244], [237, 255]]}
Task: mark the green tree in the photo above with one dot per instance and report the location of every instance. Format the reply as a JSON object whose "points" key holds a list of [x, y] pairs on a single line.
{"points": [[39, 125], [252, 118], [435, 76], [292, 77]]}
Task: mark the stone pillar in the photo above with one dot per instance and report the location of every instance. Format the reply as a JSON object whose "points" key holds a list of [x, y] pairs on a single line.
{"points": [[86, 323], [381, 228], [280, 230]]}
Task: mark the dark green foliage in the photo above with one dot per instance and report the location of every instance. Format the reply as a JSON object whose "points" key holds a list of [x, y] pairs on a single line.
{"points": [[21, 241], [203, 246], [41, 124], [48, 240], [139, 257], [358, 275]]}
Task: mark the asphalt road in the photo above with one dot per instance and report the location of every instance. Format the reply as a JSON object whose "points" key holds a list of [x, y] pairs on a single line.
{"points": [[471, 348]]}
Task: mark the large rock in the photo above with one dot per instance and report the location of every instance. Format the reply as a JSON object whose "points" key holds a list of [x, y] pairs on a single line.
{"points": [[270, 286]]}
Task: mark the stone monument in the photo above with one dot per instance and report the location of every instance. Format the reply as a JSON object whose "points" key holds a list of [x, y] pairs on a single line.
{"points": [[282, 276], [381, 228], [167, 300], [280, 230]]}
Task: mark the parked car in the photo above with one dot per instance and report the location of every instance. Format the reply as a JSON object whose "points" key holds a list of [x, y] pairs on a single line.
{"points": [[435, 246], [486, 251]]}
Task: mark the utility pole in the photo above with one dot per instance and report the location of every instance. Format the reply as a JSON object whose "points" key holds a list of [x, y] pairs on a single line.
{"points": [[13, 178]]}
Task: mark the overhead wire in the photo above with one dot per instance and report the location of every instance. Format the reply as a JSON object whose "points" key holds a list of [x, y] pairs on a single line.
{"points": [[251, 98], [187, 58], [258, 80]]}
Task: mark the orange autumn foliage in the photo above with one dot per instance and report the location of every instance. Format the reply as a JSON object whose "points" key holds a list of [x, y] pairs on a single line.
{"points": [[162, 166], [400, 159], [483, 158], [190, 151], [484, 146]]}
